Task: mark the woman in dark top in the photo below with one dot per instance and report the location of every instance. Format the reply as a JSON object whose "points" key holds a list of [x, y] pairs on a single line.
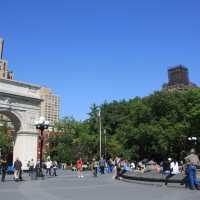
{"points": [[3, 168]]}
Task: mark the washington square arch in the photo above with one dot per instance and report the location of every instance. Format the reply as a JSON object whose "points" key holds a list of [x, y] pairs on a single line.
{"points": [[20, 102]]}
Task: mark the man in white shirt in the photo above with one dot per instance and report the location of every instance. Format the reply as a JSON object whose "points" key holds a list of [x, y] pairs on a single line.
{"points": [[174, 169], [49, 166]]}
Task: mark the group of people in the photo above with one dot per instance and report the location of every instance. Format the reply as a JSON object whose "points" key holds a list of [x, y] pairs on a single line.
{"points": [[117, 167], [33, 168], [96, 166], [171, 167], [168, 168], [51, 165], [48, 165], [17, 169]]}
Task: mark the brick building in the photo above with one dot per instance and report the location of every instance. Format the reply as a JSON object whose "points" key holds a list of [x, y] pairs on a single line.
{"points": [[46, 144], [178, 79]]}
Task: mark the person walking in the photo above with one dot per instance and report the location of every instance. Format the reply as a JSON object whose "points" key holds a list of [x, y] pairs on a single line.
{"points": [[94, 167], [28, 166], [110, 165], [102, 164], [37, 169], [31, 168], [79, 166], [55, 165], [18, 170], [48, 166], [3, 168]]}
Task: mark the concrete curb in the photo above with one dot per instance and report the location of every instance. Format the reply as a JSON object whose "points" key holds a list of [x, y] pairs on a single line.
{"points": [[147, 179], [154, 184]]}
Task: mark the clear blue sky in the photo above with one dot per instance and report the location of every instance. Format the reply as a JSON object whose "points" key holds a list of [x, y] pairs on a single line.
{"points": [[89, 51]]}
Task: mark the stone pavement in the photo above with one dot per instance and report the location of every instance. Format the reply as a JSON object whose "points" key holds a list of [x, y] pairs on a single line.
{"points": [[67, 186]]}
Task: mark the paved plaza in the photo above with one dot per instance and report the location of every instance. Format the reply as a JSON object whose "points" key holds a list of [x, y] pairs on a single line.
{"points": [[67, 186]]}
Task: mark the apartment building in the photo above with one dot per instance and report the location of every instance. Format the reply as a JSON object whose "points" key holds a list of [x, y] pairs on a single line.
{"points": [[50, 106]]}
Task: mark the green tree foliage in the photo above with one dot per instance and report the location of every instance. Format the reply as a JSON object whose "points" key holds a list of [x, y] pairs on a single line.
{"points": [[5, 139], [155, 126], [74, 141]]}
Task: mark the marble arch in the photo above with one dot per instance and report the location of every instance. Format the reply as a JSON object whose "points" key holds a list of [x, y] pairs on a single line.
{"points": [[21, 103]]}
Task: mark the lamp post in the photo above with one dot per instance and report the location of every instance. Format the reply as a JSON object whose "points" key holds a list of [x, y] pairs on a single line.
{"points": [[105, 143], [100, 133], [193, 139], [41, 124]]}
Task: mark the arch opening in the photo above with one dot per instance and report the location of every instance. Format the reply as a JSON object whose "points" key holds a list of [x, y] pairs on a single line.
{"points": [[9, 126]]}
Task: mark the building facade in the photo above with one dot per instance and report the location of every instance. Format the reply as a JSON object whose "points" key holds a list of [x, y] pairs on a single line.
{"points": [[178, 79], [4, 72], [50, 106], [21, 104], [47, 146]]}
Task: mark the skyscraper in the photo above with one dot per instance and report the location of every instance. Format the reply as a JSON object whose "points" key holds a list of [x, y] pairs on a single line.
{"points": [[1, 48], [4, 72]]}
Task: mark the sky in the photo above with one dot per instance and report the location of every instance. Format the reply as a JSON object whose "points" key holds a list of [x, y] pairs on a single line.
{"points": [[91, 51]]}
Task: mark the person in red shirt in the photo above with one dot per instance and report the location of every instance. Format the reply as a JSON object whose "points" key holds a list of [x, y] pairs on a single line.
{"points": [[79, 166]]}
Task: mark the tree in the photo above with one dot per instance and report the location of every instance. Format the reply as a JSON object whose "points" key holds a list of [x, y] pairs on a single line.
{"points": [[156, 126], [5, 139]]}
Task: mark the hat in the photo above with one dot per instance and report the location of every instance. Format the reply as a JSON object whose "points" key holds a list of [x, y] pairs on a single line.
{"points": [[169, 159]]}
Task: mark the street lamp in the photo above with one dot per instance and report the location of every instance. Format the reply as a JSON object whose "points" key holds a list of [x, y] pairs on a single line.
{"points": [[193, 139], [100, 133], [41, 124], [105, 143]]}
